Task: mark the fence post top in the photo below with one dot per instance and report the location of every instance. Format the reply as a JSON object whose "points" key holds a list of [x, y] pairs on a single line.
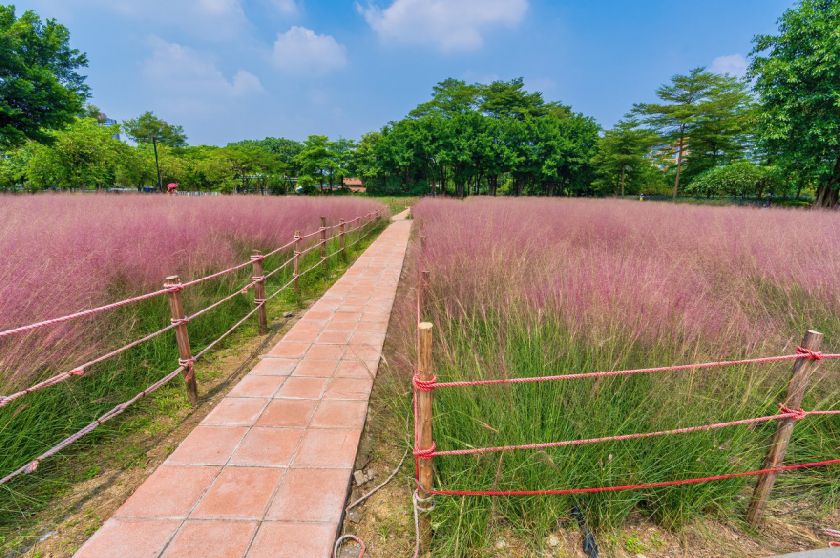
{"points": [[425, 326], [172, 280]]}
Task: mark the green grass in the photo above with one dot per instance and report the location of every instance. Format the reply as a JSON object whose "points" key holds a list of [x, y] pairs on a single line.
{"points": [[470, 346], [36, 422], [395, 204]]}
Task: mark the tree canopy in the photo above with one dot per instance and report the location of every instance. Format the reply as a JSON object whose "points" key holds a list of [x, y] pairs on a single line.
{"points": [[41, 88]]}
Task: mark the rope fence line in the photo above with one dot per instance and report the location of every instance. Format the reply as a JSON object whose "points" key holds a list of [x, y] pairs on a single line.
{"points": [[425, 383], [177, 323]]}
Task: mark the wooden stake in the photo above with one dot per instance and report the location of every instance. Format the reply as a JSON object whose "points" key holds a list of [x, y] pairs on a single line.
{"points": [[424, 420], [323, 238], [259, 290], [182, 336], [296, 264], [341, 236], [802, 370]]}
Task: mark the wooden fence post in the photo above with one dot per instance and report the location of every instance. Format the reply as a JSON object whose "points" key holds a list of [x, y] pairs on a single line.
{"points": [[182, 336], [341, 236], [323, 238], [296, 264], [802, 370], [258, 276], [426, 441]]}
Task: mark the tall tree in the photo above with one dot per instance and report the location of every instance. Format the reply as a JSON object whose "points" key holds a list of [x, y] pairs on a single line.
{"points": [[622, 158], [41, 88], [314, 160], [149, 129], [699, 106], [797, 78]]}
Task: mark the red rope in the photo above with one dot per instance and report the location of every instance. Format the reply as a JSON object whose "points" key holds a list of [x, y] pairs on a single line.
{"points": [[595, 489], [800, 353], [792, 414]]}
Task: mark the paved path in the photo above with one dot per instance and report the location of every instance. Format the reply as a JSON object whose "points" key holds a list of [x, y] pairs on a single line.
{"points": [[267, 473]]}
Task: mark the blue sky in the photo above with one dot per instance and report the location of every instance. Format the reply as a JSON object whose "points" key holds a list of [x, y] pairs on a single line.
{"points": [[235, 69]]}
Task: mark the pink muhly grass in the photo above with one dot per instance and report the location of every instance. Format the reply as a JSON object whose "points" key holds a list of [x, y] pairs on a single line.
{"points": [[63, 253], [732, 279]]}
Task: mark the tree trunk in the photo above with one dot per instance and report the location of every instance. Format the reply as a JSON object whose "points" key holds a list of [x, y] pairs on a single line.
{"points": [[157, 165], [679, 162], [492, 184], [622, 181], [827, 193]]}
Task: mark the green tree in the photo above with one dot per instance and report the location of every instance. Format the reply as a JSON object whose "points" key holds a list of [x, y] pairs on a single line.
{"points": [[149, 129], [622, 160], [741, 178], [797, 78], [314, 160], [84, 154], [699, 108], [41, 88]]}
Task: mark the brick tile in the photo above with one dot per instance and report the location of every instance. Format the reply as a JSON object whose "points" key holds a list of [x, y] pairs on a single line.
{"points": [[257, 386], [311, 495], [171, 491], [207, 445], [129, 538], [349, 388], [353, 369], [274, 367], [369, 339], [212, 539], [267, 447], [340, 414], [334, 337], [327, 447], [362, 352], [277, 539], [317, 368], [240, 492], [303, 388], [325, 352], [287, 412], [236, 411], [289, 349], [315, 314]]}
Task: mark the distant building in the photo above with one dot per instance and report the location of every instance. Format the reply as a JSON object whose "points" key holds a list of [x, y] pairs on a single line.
{"points": [[103, 120], [354, 184]]}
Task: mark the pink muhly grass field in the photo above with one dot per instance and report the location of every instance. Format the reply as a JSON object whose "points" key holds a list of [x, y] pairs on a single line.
{"points": [[733, 280], [63, 253]]}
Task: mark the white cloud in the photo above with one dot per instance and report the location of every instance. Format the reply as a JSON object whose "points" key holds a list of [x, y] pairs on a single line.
{"points": [[301, 51], [450, 25], [176, 70], [285, 7], [732, 64]]}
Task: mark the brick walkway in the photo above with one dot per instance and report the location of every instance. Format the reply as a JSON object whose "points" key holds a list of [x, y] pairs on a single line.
{"points": [[267, 473]]}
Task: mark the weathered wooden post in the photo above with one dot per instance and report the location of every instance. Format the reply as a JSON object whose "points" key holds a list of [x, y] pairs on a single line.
{"points": [[323, 238], [296, 264], [426, 441], [802, 370], [341, 236], [258, 277], [182, 336]]}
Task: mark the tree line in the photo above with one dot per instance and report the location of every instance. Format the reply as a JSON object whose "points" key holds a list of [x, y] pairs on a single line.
{"points": [[774, 132]]}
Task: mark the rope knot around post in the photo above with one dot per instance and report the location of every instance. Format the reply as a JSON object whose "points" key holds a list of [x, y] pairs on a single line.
{"points": [[808, 353], [797, 414], [179, 321], [424, 385], [77, 372], [425, 453], [258, 278], [174, 288], [257, 257], [189, 367], [32, 466]]}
